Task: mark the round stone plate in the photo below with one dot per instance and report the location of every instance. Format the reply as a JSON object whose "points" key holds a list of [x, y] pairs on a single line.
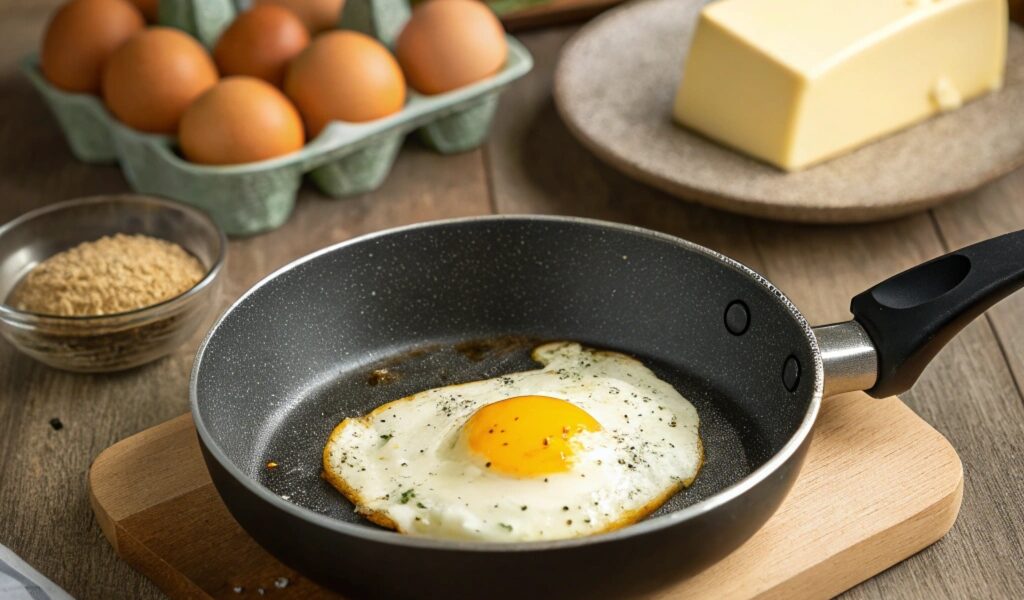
{"points": [[614, 88]]}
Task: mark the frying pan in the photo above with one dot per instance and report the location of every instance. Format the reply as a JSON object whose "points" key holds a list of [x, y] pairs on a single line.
{"points": [[454, 301]]}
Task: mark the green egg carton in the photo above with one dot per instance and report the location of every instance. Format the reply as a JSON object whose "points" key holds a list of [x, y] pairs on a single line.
{"points": [[345, 159]]}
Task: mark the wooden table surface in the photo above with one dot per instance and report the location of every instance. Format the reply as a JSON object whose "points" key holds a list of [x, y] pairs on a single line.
{"points": [[971, 393]]}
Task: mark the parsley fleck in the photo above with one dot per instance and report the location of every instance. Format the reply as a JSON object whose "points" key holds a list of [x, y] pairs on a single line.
{"points": [[386, 437], [407, 495], [505, 526]]}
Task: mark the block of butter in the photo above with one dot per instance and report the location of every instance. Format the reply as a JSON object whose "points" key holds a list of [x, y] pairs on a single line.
{"points": [[796, 82]]}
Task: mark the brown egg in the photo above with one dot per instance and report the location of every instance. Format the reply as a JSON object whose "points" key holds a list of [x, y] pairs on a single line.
{"points": [[149, 8], [260, 43], [447, 44], [150, 80], [344, 76], [318, 15], [240, 120], [81, 37]]}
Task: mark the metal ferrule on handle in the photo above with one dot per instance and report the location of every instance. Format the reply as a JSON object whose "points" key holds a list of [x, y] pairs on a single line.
{"points": [[849, 357]]}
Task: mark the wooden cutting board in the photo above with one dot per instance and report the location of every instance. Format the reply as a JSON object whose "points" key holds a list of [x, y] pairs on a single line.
{"points": [[879, 485]]}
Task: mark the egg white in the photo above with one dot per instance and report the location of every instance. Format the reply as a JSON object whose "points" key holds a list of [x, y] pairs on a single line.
{"points": [[405, 465]]}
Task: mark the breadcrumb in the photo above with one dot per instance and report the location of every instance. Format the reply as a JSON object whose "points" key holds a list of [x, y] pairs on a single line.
{"points": [[111, 275]]}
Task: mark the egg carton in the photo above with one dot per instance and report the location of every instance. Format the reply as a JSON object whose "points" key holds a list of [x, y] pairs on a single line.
{"points": [[344, 159]]}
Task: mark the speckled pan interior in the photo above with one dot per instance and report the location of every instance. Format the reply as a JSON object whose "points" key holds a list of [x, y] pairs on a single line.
{"points": [[467, 300]]}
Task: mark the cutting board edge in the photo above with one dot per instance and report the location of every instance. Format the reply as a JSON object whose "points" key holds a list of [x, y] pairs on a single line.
{"points": [[126, 546], [107, 459], [923, 530]]}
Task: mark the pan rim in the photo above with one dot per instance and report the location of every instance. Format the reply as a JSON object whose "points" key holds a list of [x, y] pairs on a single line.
{"points": [[382, 536]]}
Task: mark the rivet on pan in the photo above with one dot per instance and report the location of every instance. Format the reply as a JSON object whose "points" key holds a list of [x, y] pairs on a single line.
{"points": [[791, 373], [737, 317]]}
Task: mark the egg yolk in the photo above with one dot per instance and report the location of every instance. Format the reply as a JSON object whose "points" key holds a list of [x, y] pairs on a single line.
{"points": [[528, 436]]}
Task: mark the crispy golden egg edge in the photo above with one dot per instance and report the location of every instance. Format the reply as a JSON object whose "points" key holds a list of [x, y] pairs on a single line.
{"points": [[379, 517]]}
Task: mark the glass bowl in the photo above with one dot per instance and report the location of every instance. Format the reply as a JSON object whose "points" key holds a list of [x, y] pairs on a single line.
{"points": [[115, 342]]}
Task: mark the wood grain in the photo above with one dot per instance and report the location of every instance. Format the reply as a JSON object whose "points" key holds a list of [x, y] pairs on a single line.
{"points": [[536, 166], [968, 393], [179, 525], [879, 484], [995, 210], [44, 510], [531, 164]]}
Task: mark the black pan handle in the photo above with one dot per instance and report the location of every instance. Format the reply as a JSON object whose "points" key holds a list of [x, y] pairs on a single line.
{"points": [[911, 316]]}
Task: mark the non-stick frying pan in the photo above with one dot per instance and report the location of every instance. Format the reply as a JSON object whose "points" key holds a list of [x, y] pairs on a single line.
{"points": [[456, 301]]}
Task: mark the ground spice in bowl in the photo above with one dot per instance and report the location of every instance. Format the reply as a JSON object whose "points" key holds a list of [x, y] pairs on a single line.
{"points": [[114, 302], [111, 275]]}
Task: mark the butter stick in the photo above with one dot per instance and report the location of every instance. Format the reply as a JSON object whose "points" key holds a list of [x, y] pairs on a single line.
{"points": [[796, 82]]}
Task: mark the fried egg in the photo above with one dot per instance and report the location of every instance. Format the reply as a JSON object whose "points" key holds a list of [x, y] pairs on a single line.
{"points": [[590, 442]]}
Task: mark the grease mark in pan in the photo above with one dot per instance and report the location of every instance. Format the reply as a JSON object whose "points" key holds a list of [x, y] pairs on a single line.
{"points": [[477, 350]]}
